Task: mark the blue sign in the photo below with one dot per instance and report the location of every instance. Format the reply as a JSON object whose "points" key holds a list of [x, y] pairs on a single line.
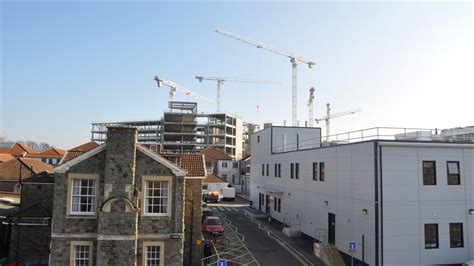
{"points": [[352, 245], [222, 262]]}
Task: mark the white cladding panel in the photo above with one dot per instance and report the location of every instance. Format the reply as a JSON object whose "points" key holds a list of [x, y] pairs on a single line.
{"points": [[408, 204], [348, 191]]}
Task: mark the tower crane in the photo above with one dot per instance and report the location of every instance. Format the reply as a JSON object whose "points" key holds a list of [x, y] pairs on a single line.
{"points": [[176, 87], [294, 59], [220, 82], [330, 116], [310, 105]]}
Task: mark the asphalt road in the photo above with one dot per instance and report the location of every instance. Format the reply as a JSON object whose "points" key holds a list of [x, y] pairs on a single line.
{"points": [[266, 250]]}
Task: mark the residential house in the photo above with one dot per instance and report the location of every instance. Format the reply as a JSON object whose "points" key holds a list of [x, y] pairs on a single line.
{"points": [[51, 156], [31, 225], [77, 151], [18, 150], [122, 204], [222, 165], [14, 171]]}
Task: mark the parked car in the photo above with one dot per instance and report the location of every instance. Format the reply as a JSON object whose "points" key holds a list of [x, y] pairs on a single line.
{"points": [[206, 212], [212, 226]]}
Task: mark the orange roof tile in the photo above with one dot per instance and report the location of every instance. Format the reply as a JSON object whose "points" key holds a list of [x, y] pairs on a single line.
{"points": [[20, 149], [11, 170], [213, 154], [193, 164], [4, 157], [78, 151], [50, 153], [213, 179], [85, 147]]}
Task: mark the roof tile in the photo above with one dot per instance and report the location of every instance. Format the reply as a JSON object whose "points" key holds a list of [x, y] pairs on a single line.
{"points": [[193, 164], [213, 154]]}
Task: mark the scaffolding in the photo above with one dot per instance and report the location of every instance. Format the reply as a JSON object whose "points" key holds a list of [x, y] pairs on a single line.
{"points": [[183, 130]]}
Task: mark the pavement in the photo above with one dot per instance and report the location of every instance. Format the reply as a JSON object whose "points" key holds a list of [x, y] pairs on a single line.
{"points": [[265, 249]]}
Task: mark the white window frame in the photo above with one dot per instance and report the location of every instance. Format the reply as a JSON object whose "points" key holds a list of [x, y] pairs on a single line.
{"points": [[160, 244], [170, 194], [73, 176], [74, 244]]}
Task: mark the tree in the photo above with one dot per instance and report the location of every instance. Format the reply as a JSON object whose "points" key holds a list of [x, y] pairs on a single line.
{"points": [[44, 146], [33, 145]]}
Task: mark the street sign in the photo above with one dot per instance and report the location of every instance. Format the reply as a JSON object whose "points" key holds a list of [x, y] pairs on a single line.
{"points": [[352, 245], [222, 262]]}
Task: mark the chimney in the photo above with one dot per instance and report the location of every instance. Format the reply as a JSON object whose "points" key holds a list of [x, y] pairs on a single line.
{"points": [[120, 160]]}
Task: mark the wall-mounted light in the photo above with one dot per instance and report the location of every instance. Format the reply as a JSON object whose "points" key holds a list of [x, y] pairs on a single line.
{"points": [[471, 211], [326, 202], [365, 211]]}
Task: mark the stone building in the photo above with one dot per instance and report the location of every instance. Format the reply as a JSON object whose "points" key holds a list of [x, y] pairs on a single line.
{"points": [[122, 204], [31, 226]]}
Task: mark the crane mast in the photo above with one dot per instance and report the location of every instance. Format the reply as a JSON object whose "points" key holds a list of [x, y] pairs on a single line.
{"points": [[310, 105], [174, 87], [330, 116], [294, 59], [220, 82]]}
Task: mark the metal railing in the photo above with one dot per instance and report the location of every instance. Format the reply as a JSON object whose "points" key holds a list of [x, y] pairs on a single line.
{"points": [[379, 133]]}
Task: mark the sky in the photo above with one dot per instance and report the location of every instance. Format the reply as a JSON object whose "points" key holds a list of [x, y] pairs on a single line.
{"points": [[65, 65]]}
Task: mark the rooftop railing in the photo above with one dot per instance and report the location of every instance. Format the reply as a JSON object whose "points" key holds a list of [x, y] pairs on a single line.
{"points": [[378, 133]]}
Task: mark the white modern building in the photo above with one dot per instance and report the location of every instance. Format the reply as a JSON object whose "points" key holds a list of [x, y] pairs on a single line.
{"points": [[403, 201]]}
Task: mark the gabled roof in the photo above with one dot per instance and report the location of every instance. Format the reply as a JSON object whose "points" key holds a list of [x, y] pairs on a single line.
{"points": [[78, 157], [4, 157], [11, 170], [85, 147], [213, 154], [63, 168], [50, 153], [79, 150], [212, 178], [194, 164], [19, 149]]}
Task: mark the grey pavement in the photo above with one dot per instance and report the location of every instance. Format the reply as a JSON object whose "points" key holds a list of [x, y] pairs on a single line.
{"points": [[266, 250]]}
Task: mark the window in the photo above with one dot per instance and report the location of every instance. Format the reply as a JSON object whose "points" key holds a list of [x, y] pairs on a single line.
{"points": [[224, 176], [156, 196], [83, 196], [322, 171], [454, 177], [233, 179], [279, 170], [429, 173], [431, 236], [297, 170], [263, 169], [276, 170], [235, 165], [268, 171], [224, 164], [279, 205], [275, 201], [81, 253], [153, 254], [292, 170], [456, 237], [315, 171], [258, 139]]}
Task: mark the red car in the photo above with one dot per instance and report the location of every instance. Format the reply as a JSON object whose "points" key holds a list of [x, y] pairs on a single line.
{"points": [[212, 226]]}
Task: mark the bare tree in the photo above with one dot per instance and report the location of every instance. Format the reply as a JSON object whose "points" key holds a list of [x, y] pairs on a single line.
{"points": [[33, 145], [44, 146]]}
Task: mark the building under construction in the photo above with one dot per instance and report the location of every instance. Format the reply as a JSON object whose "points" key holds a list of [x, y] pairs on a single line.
{"points": [[183, 130]]}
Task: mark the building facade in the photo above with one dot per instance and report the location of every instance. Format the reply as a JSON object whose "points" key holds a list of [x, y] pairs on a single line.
{"points": [[119, 204], [403, 202]]}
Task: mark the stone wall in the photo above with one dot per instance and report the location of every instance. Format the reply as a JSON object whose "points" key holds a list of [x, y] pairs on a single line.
{"points": [[192, 221], [33, 240], [8, 185], [119, 223]]}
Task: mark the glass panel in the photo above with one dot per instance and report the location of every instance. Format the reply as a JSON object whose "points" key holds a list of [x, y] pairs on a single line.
{"points": [[431, 236], [429, 173], [453, 167], [456, 235]]}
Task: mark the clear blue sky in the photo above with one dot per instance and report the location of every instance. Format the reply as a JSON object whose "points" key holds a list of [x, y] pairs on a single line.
{"points": [[65, 65]]}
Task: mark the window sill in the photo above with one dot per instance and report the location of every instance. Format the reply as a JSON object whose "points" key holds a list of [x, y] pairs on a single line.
{"points": [[150, 216], [81, 216]]}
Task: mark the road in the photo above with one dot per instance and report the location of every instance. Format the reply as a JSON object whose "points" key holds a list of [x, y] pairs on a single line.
{"points": [[266, 250]]}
